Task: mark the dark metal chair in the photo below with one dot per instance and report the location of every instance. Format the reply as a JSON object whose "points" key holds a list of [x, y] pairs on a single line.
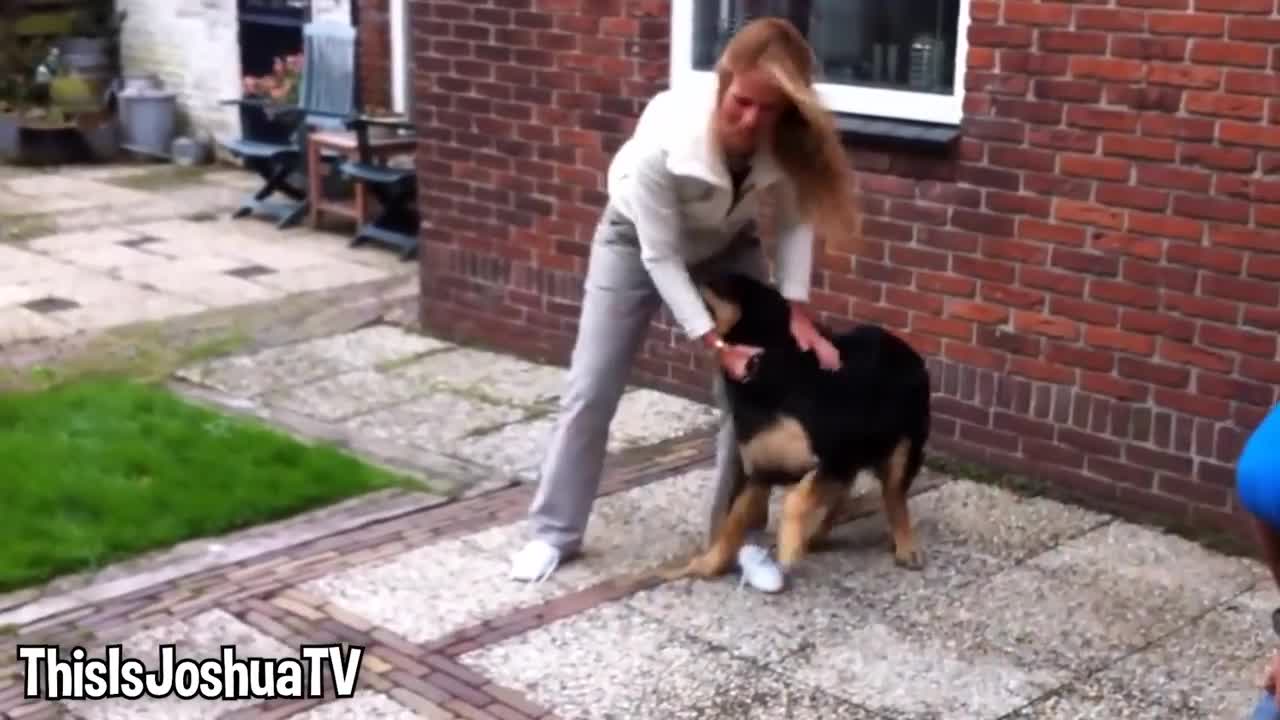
{"points": [[326, 100], [396, 190]]}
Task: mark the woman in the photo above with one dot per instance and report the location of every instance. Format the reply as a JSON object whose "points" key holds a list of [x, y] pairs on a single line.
{"points": [[1258, 486], [683, 201]]}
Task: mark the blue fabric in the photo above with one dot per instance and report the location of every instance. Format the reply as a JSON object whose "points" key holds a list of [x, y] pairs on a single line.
{"points": [[1265, 709], [1258, 471]]}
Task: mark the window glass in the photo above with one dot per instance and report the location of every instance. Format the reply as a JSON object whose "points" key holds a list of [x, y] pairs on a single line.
{"points": [[894, 44]]}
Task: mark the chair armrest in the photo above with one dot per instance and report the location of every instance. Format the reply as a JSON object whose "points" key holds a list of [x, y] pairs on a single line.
{"points": [[361, 122]]}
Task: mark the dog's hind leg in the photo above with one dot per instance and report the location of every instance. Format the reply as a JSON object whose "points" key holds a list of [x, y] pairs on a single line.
{"points": [[751, 504], [895, 479]]}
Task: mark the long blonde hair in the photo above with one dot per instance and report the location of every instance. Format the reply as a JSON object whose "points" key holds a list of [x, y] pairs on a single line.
{"points": [[806, 143]]}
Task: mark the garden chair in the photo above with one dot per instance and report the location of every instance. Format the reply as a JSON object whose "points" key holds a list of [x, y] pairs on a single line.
{"points": [[326, 100], [395, 188]]}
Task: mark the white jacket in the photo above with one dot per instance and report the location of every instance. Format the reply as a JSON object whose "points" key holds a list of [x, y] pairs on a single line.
{"points": [[671, 181]]}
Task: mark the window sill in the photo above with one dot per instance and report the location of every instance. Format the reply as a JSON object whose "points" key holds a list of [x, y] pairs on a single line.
{"points": [[890, 132]]}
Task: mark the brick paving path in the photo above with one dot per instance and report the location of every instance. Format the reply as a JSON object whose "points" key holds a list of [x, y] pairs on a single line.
{"points": [[262, 594]]}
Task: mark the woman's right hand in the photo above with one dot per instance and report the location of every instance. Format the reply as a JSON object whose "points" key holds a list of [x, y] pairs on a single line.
{"points": [[735, 358]]}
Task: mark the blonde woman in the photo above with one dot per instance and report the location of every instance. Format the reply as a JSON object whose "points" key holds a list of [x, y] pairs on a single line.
{"points": [[684, 195]]}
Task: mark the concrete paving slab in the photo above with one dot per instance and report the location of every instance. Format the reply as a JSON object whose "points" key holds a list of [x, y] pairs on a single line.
{"points": [[344, 396], [188, 281], [516, 450], [198, 637], [1136, 555], [995, 522], [1208, 669], [20, 324], [60, 243], [439, 420], [629, 532], [905, 674], [614, 662], [315, 275], [1073, 610], [647, 416], [496, 377], [292, 364], [22, 267], [450, 585]]}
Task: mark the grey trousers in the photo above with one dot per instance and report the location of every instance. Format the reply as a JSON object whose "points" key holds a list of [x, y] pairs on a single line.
{"points": [[619, 303]]}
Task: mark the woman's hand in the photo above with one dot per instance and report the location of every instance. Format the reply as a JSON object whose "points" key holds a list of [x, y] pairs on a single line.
{"points": [[1272, 678], [735, 358], [808, 337]]}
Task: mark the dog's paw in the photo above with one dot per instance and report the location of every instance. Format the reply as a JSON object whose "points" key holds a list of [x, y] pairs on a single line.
{"points": [[911, 558]]}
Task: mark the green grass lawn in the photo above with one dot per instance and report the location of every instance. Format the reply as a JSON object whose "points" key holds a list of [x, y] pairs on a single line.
{"points": [[94, 471]]}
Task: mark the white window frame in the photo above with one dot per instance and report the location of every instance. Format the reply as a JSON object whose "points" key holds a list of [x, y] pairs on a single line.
{"points": [[400, 60], [841, 98]]}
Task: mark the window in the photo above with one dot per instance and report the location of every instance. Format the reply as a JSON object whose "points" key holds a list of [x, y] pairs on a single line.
{"points": [[888, 58]]}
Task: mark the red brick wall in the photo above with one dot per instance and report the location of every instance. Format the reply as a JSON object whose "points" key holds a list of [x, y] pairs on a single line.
{"points": [[1092, 269], [374, 38]]}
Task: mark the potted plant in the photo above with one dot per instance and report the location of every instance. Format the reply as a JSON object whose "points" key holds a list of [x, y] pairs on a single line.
{"points": [[269, 98]]}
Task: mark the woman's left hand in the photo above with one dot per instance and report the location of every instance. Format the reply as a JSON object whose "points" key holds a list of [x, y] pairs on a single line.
{"points": [[808, 337]]}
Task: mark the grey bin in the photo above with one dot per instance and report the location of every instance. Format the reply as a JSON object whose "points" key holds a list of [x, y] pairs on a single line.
{"points": [[148, 119]]}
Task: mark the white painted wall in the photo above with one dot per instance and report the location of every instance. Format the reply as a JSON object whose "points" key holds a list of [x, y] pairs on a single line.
{"points": [[195, 51]]}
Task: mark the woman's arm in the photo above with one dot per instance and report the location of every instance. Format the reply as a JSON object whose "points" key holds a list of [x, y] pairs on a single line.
{"points": [[656, 210]]}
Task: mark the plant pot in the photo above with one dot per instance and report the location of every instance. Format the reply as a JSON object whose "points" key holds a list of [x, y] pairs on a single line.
{"points": [[102, 138]]}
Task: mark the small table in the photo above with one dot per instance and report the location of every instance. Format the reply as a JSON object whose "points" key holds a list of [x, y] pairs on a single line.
{"points": [[344, 143]]}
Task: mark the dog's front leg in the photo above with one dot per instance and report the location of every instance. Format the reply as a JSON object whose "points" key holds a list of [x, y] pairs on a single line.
{"points": [[802, 514], [751, 504]]}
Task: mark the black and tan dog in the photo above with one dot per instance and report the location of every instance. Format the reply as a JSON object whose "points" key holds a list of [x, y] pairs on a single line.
{"points": [[812, 430]]}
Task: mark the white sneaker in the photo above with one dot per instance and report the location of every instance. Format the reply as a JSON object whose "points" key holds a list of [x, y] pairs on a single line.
{"points": [[758, 570], [535, 561]]}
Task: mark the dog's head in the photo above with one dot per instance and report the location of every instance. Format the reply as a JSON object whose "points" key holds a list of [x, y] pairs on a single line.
{"points": [[747, 311]]}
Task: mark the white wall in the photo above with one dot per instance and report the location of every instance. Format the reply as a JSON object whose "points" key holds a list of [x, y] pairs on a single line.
{"points": [[195, 51]]}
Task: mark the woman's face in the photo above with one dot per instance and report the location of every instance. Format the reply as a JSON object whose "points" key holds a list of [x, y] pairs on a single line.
{"points": [[748, 111]]}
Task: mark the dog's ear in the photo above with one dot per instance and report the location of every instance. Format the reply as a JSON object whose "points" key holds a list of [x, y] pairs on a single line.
{"points": [[725, 311]]}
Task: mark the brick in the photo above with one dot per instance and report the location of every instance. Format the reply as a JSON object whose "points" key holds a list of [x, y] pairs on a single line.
{"points": [[1187, 24], [1101, 119], [1137, 147], [1251, 83], [1222, 52], [1112, 338], [1000, 36], [1209, 258], [1070, 41], [1084, 311], [1218, 158], [1167, 176], [1124, 293], [1095, 167], [1187, 76], [1236, 133], [1205, 207], [1125, 244], [1153, 373], [1132, 21], [1183, 354], [1110, 69], [1071, 91], [1022, 12], [1254, 29], [1260, 7], [1243, 106], [1088, 214], [1130, 196], [1145, 47]]}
